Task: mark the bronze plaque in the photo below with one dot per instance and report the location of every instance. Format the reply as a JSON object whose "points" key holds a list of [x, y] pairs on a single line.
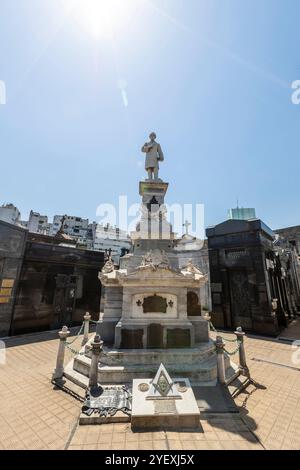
{"points": [[132, 339], [8, 283], [155, 336], [6, 292], [156, 304], [178, 338]]}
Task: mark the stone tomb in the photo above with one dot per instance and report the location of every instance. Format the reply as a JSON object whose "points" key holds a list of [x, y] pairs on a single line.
{"points": [[164, 403], [146, 317]]}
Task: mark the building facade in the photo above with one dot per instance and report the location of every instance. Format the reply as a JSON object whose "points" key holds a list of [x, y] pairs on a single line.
{"points": [[45, 282], [287, 244], [247, 283], [107, 237], [73, 226], [90, 236], [291, 235], [38, 223], [10, 214], [12, 248]]}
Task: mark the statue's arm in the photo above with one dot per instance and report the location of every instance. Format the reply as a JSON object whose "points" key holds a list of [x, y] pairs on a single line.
{"points": [[160, 153], [145, 148]]}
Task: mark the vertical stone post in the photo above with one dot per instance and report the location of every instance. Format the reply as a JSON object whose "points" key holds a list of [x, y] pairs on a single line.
{"points": [[220, 360], [206, 316], [96, 350], [242, 355], [87, 317], [59, 370]]}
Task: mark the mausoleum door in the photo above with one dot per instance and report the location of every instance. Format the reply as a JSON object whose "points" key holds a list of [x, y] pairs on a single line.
{"points": [[239, 294]]}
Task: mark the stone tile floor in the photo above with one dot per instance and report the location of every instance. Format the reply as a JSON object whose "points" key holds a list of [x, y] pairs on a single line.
{"points": [[35, 416]]}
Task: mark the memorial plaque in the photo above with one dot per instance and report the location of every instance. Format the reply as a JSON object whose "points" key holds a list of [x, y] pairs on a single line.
{"points": [[6, 292], [165, 407], [178, 338], [8, 283], [132, 339], [155, 303], [108, 401], [155, 336]]}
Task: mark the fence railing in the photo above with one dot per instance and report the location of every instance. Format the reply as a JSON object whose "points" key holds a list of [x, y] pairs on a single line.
{"points": [[220, 344], [96, 348]]}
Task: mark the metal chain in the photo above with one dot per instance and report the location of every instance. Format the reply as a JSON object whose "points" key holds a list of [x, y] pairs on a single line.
{"points": [[212, 328], [76, 337], [235, 351], [229, 340], [74, 351]]}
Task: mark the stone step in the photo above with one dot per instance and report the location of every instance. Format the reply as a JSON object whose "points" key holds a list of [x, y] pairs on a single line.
{"points": [[197, 373], [145, 357]]}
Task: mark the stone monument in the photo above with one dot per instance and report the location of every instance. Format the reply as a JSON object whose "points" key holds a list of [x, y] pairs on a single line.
{"points": [[144, 320], [162, 402]]}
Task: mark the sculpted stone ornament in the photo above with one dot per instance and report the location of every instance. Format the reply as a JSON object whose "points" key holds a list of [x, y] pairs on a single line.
{"points": [[191, 268], [109, 266], [162, 386], [154, 155], [147, 260], [143, 387], [155, 259]]}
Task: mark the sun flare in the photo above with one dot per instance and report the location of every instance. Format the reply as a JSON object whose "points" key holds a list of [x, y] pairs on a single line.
{"points": [[102, 17]]}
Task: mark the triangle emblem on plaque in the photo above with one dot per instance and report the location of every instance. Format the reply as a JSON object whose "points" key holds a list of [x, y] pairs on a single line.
{"points": [[162, 386]]}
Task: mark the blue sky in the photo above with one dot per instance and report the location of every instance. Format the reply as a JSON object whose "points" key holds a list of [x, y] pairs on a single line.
{"points": [[212, 78]]}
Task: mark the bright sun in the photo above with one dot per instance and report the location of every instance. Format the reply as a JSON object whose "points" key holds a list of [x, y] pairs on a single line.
{"points": [[102, 17]]}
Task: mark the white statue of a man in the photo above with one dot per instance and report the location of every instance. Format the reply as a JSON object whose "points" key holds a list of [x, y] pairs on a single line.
{"points": [[154, 155]]}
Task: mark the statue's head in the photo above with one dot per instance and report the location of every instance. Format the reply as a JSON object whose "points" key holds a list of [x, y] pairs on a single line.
{"points": [[152, 136]]}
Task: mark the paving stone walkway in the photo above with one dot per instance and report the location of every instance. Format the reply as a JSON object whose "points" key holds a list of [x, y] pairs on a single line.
{"points": [[33, 415]]}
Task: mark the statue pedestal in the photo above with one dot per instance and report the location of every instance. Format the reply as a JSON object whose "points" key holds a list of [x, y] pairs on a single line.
{"points": [[153, 188]]}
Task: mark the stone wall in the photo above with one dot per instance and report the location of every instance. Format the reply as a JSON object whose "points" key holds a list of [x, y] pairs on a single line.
{"points": [[12, 245]]}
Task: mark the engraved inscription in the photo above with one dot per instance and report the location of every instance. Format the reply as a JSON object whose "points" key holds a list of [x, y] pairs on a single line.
{"points": [[165, 407]]}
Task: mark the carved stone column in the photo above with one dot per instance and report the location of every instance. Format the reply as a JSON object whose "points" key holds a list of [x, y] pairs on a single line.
{"points": [[59, 370]]}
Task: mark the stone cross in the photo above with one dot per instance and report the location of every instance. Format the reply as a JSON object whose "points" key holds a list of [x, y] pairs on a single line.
{"points": [[186, 225]]}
